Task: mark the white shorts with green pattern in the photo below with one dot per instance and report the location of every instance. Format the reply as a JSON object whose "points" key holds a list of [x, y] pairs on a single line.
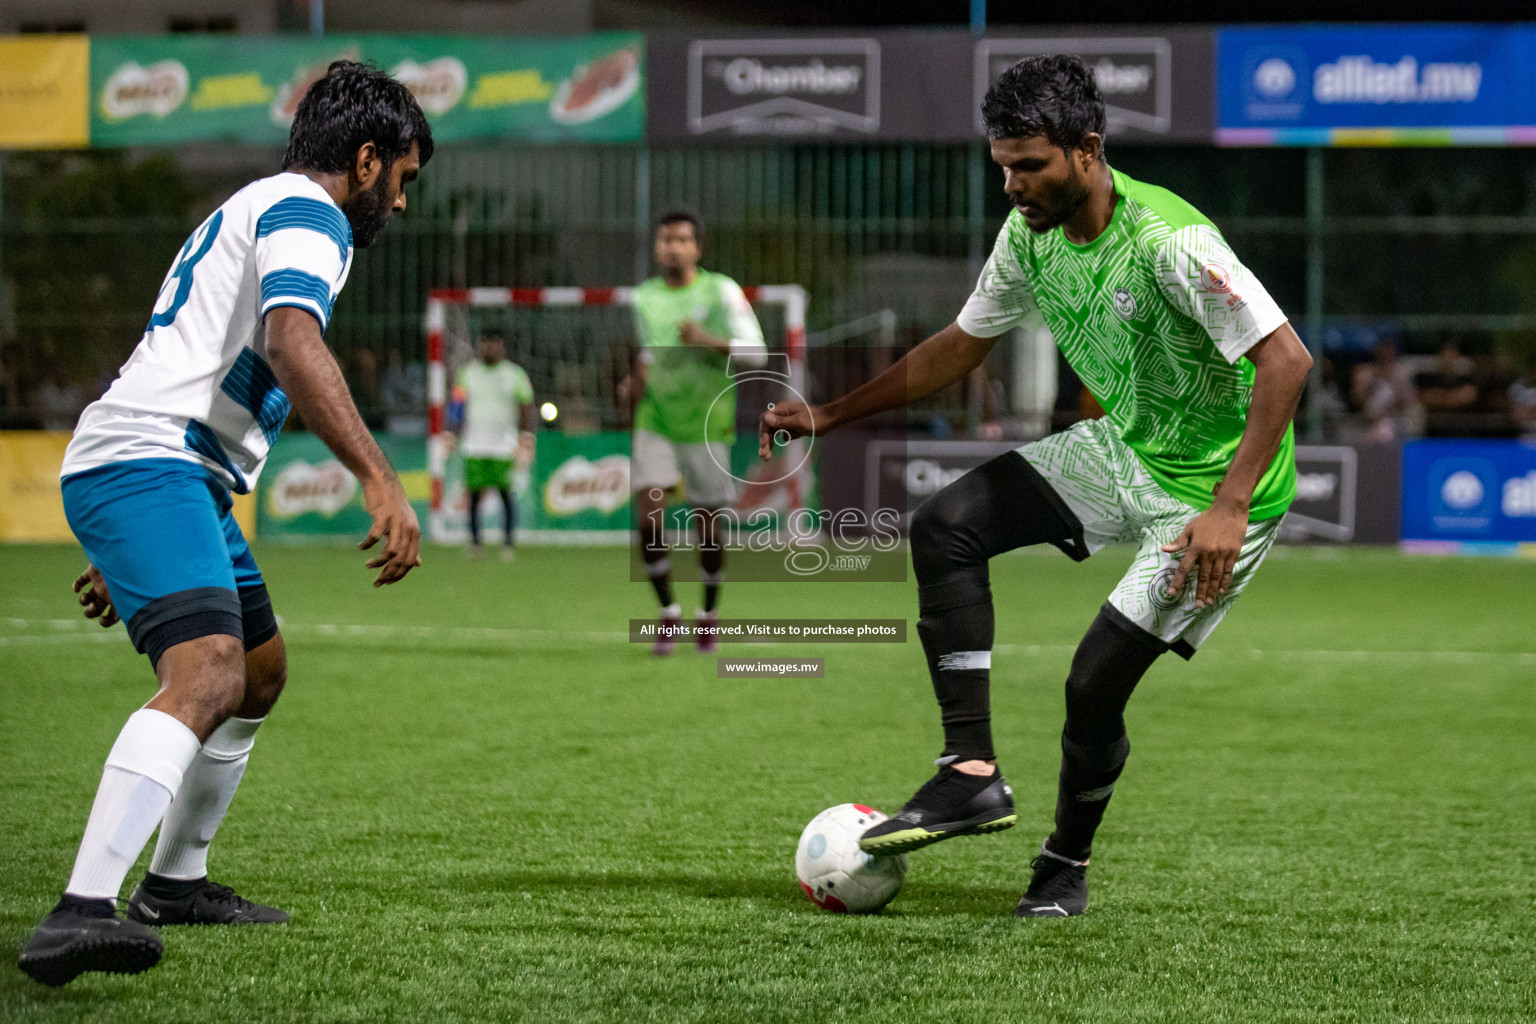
{"points": [[1114, 497]]}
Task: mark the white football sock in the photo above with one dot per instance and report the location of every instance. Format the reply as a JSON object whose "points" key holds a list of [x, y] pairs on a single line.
{"points": [[204, 797], [143, 772]]}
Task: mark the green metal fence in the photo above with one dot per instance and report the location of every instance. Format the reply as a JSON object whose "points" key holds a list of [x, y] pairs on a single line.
{"points": [[1441, 242]]}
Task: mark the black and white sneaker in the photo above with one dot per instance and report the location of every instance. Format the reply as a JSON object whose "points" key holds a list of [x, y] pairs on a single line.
{"points": [[950, 804], [209, 903], [1059, 887], [81, 935]]}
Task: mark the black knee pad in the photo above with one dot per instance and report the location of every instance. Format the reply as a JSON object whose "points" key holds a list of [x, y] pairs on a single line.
{"points": [[1109, 662], [1095, 759]]}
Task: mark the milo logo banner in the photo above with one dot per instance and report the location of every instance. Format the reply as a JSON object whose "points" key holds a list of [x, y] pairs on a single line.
{"points": [[305, 494], [150, 90], [576, 491]]}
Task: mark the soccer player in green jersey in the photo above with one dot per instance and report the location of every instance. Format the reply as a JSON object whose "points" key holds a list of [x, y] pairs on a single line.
{"points": [[695, 328], [494, 395], [1198, 373]]}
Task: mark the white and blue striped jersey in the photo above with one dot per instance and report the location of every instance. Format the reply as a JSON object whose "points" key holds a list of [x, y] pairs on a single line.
{"points": [[198, 386]]}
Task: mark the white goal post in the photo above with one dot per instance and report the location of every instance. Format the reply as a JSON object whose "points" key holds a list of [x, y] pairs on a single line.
{"points": [[444, 303]]}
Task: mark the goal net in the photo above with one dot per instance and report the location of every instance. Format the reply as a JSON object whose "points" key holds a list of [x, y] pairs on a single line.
{"points": [[576, 345]]}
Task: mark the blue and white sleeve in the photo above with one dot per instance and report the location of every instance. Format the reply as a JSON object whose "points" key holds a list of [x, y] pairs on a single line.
{"points": [[303, 253]]}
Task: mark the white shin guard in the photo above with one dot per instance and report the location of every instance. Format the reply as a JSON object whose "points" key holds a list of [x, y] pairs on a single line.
{"points": [[205, 795], [143, 773]]}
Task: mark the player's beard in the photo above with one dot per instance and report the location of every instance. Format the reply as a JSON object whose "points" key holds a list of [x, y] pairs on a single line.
{"points": [[369, 211], [1061, 200]]}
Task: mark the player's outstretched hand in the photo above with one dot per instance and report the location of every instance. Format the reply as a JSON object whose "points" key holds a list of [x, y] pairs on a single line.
{"points": [[1208, 550], [95, 598], [782, 423], [394, 522]]}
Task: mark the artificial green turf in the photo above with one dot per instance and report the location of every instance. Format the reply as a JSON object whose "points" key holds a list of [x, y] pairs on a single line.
{"points": [[495, 809]]}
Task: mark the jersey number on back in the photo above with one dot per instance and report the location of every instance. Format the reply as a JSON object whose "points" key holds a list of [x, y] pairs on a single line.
{"points": [[181, 273]]}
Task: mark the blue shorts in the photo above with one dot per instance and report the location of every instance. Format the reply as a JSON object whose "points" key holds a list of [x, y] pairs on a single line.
{"points": [[161, 533]]}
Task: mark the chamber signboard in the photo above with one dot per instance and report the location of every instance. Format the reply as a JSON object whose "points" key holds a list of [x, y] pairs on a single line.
{"points": [[1156, 85], [912, 85], [783, 86]]}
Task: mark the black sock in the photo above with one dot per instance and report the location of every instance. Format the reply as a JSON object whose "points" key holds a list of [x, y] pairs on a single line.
{"points": [[508, 515], [658, 567], [92, 906], [712, 573], [998, 506], [162, 888], [956, 628], [1083, 789], [474, 518], [1111, 659]]}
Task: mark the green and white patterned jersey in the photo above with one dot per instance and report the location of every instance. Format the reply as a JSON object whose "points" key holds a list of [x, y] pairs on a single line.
{"points": [[683, 382], [1154, 316]]}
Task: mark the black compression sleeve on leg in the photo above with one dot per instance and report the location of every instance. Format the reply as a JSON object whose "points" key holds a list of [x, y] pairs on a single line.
{"points": [[1113, 656], [256, 616], [508, 515], [1000, 505], [474, 517], [653, 551], [1110, 660], [712, 573]]}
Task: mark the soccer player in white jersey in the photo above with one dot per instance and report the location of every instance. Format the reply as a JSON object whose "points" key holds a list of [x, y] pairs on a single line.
{"points": [[1199, 374], [491, 398], [236, 335]]}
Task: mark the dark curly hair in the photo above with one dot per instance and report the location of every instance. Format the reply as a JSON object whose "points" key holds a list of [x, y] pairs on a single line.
{"points": [[353, 104], [681, 216], [1055, 96]]}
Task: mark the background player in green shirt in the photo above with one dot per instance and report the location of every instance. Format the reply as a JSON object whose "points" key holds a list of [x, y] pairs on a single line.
{"points": [[695, 328], [494, 394], [1199, 375]]}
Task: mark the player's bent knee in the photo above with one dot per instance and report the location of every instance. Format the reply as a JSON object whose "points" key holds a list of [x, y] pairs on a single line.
{"points": [[940, 533], [202, 680], [1096, 757], [266, 674]]}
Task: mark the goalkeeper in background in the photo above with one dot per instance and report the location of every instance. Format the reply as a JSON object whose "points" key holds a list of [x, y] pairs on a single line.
{"points": [[695, 327], [490, 398]]}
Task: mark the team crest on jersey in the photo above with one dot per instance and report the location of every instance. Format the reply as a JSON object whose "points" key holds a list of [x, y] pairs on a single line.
{"points": [[1160, 592], [1214, 278], [1125, 303]]}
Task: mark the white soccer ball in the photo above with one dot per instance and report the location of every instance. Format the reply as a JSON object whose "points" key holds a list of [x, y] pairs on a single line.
{"points": [[835, 873]]}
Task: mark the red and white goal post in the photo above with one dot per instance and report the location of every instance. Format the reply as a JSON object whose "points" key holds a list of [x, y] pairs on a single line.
{"points": [[449, 306]]}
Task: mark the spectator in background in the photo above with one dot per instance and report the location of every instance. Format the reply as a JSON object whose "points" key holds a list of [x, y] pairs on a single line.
{"points": [[1448, 393], [367, 387], [1384, 392], [58, 401], [10, 381], [1330, 400], [1522, 401], [405, 395]]}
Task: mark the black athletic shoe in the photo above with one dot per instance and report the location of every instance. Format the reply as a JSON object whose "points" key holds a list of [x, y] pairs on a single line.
{"points": [[1059, 887], [81, 935], [211, 903], [950, 804]]}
